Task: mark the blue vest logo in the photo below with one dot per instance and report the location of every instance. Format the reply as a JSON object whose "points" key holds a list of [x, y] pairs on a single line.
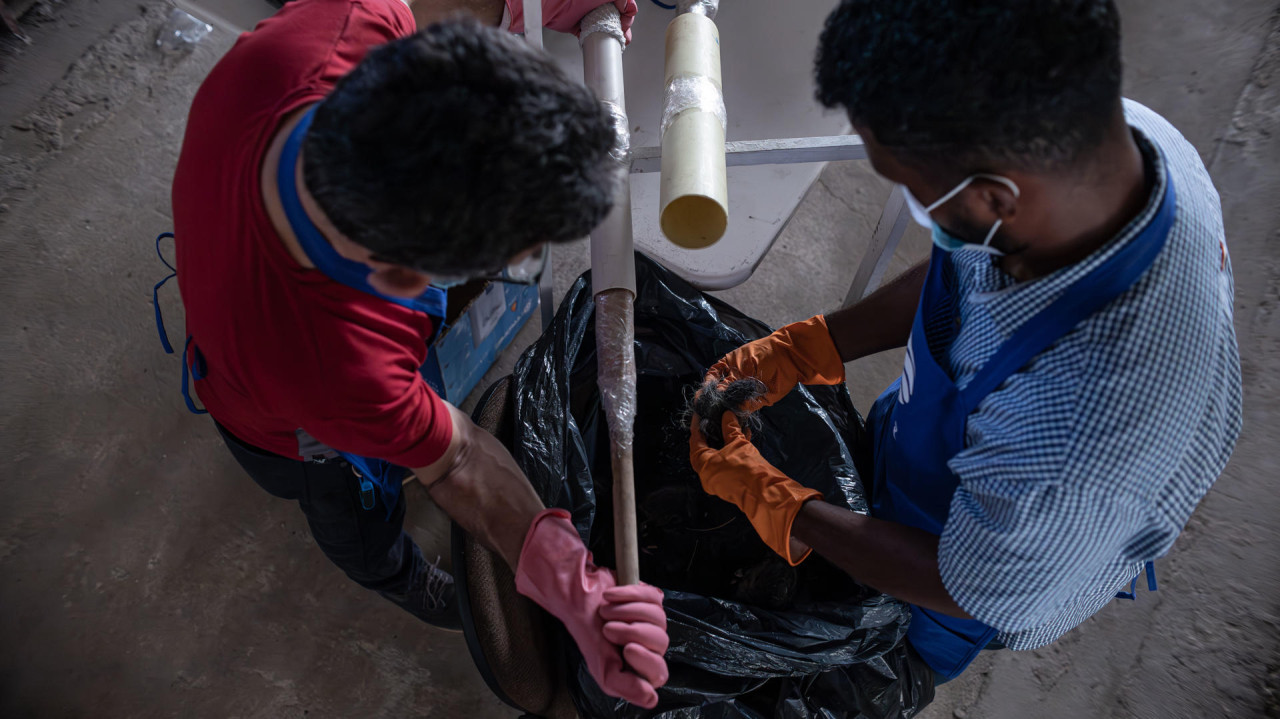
{"points": [[908, 374]]}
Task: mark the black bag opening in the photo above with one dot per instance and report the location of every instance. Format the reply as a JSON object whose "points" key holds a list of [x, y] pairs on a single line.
{"points": [[750, 636]]}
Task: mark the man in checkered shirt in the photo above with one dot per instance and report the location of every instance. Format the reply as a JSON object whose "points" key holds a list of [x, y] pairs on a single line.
{"points": [[1071, 386]]}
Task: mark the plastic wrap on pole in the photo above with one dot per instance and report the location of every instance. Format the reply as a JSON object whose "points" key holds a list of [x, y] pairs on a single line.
{"points": [[706, 8], [615, 347], [616, 377], [621, 151], [696, 93]]}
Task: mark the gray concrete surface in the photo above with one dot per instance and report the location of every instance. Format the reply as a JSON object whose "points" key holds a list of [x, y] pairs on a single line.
{"points": [[143, 575]]}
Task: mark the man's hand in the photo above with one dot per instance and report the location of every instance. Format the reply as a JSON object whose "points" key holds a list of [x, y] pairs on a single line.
{"points": [[799, 353], [737, 473], [609, 623], [566, 15]]}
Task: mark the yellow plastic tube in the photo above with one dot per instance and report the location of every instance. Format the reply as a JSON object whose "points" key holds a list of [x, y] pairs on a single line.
{"points": [[694, 196]]}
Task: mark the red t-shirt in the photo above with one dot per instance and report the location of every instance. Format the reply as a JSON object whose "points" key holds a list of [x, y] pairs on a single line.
{"points": [[286, 348]]}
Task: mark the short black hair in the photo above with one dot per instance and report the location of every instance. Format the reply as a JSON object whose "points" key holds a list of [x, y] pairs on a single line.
{"points": [[454, 148], [975, 84]]}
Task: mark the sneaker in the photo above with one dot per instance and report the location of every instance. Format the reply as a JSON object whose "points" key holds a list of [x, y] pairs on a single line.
{"points": [[432, 596], [429, 594]]}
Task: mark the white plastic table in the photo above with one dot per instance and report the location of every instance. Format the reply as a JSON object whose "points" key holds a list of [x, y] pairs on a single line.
{"points": [[767, 51]]}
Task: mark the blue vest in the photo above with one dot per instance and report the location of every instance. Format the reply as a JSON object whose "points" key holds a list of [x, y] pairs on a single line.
{"points": [[912, 483]]}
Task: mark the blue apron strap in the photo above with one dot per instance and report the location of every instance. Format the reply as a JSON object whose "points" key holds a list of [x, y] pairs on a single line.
{"points": [[155, 294], [363, 472], [1132, 593], [199, 370], [1078, 303], [947, 644], [380, 475], [155, 300], [1133, 585]]}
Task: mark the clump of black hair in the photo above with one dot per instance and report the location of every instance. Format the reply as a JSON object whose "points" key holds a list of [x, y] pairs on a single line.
{"points": [[716, 397], [457, 147], [976, 86]]}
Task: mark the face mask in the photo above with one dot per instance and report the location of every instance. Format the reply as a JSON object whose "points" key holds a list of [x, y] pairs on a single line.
{"points": [[944, 240]]}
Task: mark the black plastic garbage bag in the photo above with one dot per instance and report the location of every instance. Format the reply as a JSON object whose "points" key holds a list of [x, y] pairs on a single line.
{"points": [[750, 636]]}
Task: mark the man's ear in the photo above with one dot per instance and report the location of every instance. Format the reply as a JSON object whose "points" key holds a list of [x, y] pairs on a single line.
{"points": [[994, 199], [399, 281]]}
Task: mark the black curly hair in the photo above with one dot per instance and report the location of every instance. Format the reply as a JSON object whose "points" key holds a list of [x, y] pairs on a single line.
{"points": [[455, 148], [975, 84]]}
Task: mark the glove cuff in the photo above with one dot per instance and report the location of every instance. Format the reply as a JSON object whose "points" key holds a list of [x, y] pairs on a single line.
{"points": [[790, 544], [551, 548], [814, 351], [774, 514]]}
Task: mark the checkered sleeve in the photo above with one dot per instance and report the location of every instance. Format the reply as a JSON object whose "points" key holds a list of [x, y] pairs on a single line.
{"points": [[1012, 558], [1068, 466]]}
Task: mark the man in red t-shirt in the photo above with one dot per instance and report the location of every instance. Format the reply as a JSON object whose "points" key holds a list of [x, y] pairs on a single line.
{"points": [[338, 168]]}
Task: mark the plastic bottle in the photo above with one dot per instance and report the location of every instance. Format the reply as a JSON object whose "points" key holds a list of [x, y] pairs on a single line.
{"points": [[181, 31]]}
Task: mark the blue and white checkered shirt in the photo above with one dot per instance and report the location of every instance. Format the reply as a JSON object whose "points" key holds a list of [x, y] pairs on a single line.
{"points": [[1090, 460]]}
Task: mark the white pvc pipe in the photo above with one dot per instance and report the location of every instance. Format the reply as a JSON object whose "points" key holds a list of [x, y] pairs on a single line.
{"points": [[546, 284], [612, 247], [613, 283], [533, 22]]}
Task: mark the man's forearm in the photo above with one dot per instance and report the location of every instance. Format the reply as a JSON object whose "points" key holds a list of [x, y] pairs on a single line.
{"points": [[478, 484], [893, 558], [879, 322]]}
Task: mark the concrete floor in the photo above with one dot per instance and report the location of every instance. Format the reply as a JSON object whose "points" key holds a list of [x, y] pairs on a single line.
{"points": [[143, 575]]}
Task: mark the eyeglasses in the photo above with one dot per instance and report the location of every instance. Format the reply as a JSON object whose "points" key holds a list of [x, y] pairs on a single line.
{"points": [[527, 271]]}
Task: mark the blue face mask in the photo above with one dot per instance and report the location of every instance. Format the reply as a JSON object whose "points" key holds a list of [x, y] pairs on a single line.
{"points": [[944, 240]]}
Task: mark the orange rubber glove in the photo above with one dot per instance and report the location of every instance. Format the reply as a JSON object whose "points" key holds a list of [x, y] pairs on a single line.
{"points": [[799, 353], [738, 474]]}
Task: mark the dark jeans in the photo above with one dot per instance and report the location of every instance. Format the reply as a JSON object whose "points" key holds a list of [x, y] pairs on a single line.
{"points": [[371, 548]]}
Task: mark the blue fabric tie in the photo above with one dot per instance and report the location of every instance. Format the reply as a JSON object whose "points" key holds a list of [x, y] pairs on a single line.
{"points": [[326, 259]]}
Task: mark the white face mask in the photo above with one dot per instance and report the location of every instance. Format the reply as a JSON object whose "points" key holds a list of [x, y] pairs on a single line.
{"points": [[945, 240]]}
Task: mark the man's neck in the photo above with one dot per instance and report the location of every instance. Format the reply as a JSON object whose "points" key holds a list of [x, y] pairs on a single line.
{"points": [[426, 12], [1089, 208]]}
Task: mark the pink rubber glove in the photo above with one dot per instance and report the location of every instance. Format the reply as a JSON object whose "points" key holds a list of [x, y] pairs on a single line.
{"points": [[608, 622], [566, 15]]}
